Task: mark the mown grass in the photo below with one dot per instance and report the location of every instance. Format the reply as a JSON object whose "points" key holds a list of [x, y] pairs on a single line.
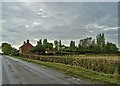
{"points": [[79, 72]]}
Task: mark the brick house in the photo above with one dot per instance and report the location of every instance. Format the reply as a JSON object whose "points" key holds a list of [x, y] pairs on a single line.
{"points": [[26, 47], [48, 50]]}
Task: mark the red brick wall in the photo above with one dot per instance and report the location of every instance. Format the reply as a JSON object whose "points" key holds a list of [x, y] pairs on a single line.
{"points": [[26, 48]]}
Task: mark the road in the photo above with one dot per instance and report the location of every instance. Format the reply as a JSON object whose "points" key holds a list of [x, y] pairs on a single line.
{"points": [[0, 70], [16, 71]]}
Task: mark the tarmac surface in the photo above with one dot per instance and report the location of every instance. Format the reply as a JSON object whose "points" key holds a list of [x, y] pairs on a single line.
{"points": [[16, 71]]}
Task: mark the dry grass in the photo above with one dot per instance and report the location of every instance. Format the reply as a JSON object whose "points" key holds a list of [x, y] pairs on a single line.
{"points": [[100, 63], [104, 57], [108, 57]]}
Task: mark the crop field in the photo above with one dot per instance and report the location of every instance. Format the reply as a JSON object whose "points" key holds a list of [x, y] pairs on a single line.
{"points": [[103, 69], [108, 57], [102, 63], [99, 57]]}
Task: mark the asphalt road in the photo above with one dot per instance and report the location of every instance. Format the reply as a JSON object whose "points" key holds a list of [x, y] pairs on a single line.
{"points": [[16, 71], [0, 70]]}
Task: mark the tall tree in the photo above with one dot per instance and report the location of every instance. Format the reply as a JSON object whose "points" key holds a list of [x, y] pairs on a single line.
{"points": [[56, 45], [6, 48], [101, 40], [60, 44], [72, 45], [40, 42], [44, 41]]}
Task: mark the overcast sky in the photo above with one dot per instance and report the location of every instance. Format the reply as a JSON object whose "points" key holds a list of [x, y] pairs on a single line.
{"points": [[58, 20]]}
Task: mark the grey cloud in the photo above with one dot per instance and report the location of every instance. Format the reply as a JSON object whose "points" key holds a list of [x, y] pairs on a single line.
{"points": [[65, 20]]}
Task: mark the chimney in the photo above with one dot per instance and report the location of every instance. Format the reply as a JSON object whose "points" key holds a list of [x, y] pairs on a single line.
{"points": [[24, 42], [27, 41]]}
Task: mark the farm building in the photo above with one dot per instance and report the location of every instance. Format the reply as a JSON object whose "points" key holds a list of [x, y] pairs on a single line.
{"points": [[26, 47]]}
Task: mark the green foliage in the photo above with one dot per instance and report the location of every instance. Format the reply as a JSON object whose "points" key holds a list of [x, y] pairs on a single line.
{"points": [[72, 46], [101, 40], [88, 45], [111, 48], [14, 52], [40, 48], [45, 41], [56, 43], [6, 48], [9, 50], [3, 44], [60, 44], [49, 45], [39, 42]]}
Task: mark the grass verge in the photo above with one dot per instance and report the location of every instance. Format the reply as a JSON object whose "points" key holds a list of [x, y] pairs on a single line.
{"points": [[78, 72]]}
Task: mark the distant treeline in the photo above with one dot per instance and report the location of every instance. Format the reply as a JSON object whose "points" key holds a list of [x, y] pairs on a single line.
{"points": [[87, 45]]}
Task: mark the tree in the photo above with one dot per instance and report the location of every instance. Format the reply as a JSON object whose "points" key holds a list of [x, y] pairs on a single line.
{"points": [[72, 45], [111, 48], [87, 45], [38, 49], [60, 45], [44, 41], [6, 48], [3, 44], [40, 42], [49, 45], [56, 45], [14, 52], [101, 40]]}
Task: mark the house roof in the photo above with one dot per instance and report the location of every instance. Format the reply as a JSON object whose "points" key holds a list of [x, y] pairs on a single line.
{"points": [[26, 44], [47, 49]]}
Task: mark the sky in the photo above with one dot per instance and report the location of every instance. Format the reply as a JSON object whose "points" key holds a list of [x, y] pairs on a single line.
{"points": [[58, 21]]}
